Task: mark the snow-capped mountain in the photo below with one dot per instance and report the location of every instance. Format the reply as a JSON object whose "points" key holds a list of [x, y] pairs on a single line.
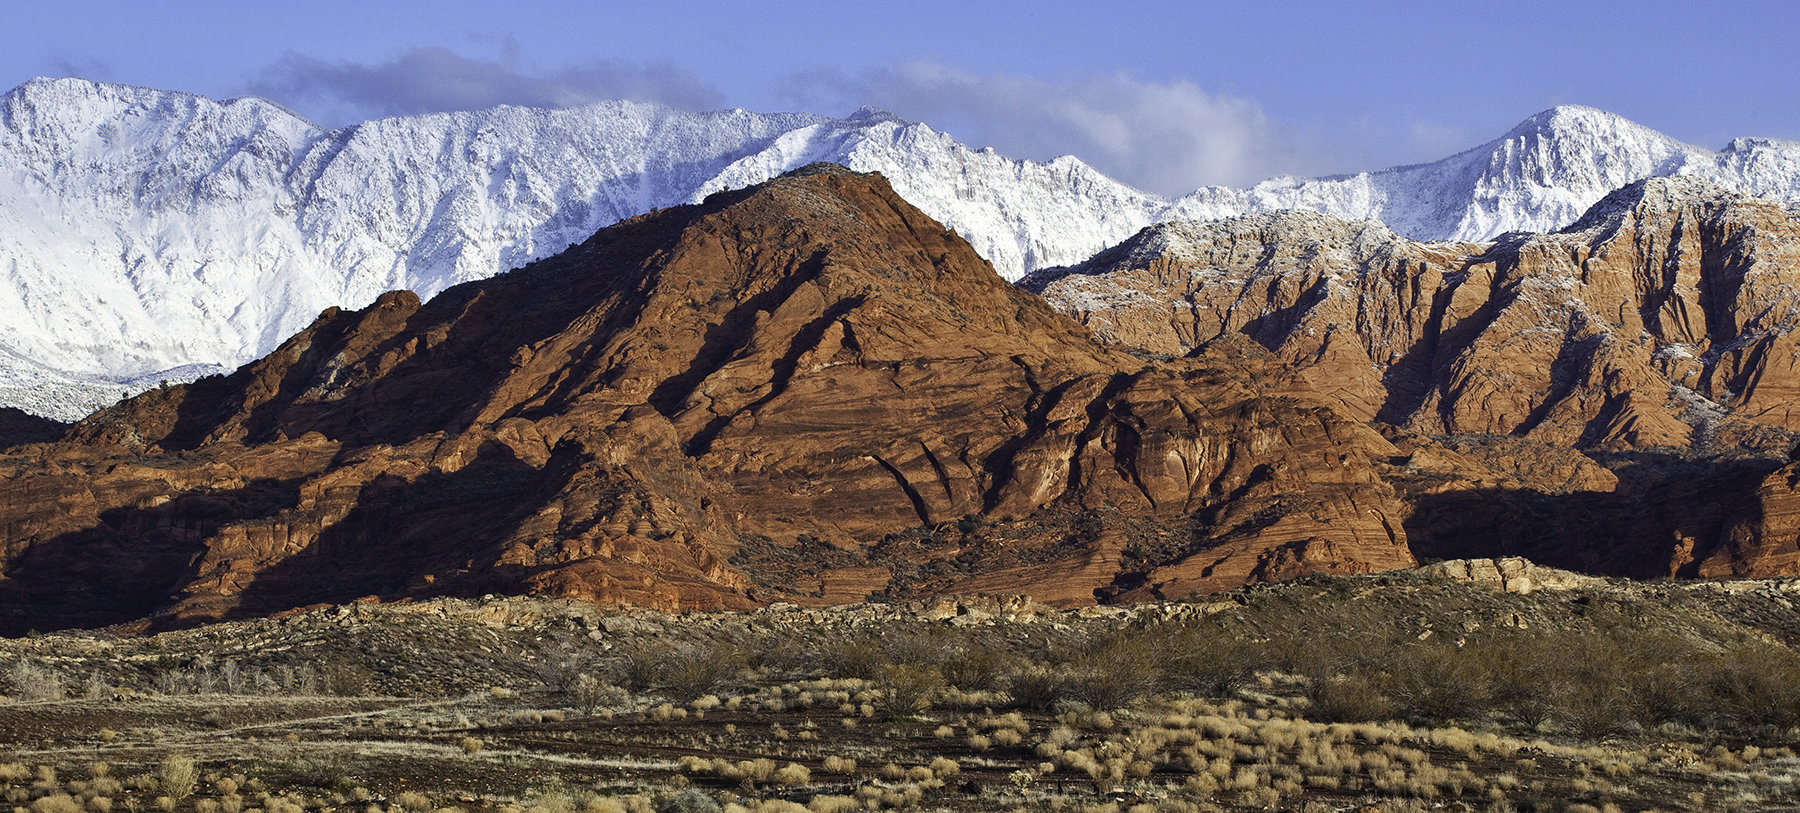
{"points": [[149, 235], [144, 230], [1538, 177]]}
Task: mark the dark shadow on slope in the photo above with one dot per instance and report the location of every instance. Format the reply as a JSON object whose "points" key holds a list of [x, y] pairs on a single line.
{"points": [[1411, 380], [443, 526], [1630, 532], [782, 372], [131, 564], [18, 427]]}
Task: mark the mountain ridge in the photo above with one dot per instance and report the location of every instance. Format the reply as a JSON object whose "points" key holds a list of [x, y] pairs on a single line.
{"points": [[805, 391], [147, 231]]}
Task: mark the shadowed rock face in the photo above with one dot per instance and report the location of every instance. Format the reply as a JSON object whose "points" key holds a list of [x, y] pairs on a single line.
{"points": [[804, 391]]}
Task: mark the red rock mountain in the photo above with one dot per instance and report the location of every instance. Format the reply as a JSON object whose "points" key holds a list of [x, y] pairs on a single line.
{"points": [[804, 391], [1657, 335], [1663, 317]]}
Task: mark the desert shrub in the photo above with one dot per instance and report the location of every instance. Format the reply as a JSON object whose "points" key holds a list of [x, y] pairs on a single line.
{"points": [[413, 802], [684, 672], [1666, 693], [296, 680], [589, 693], [96, 687], [1036, 686], [33, 683], [1595, 710], [689, 801], [976, 669], [564, 659], [57, 803], [471, 746], [777, 653], [552, 799], [1347, 698], [927, 647], [857, 657], [1116, 670], [792, 774], [1209, 663], [908, 688], [1754, 685], [1520, 682], [177, 776], [345, 679], [1436, 683]]}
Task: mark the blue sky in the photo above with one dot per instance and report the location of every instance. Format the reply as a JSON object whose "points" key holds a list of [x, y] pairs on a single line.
{"points": [[1164, 95]]}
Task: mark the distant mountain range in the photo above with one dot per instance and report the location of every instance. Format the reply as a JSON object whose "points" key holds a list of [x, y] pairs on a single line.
{"points": [[150, 235]]}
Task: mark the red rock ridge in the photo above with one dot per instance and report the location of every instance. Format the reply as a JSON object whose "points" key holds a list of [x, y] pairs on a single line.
{"points": [[1664, 317], [805, 391]]}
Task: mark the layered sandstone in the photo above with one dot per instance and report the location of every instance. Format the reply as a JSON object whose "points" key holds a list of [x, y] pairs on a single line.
{"points": [[1656, 334], [806, 391], [1664, 317]]}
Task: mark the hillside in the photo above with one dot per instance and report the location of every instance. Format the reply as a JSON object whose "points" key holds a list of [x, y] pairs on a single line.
{"points": [[806, 391], [1616, 397]]}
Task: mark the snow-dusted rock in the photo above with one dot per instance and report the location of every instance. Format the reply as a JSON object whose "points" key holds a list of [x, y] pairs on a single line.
{"points": [[149, 235]]}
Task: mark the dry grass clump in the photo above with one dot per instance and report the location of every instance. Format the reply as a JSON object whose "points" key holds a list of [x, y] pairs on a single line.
{"points": [[177, 776], [57, 803]]}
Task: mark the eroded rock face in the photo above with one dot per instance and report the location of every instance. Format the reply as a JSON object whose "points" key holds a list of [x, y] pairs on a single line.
{"points": [[1664, 317], [1657, 333], [805, 391]]}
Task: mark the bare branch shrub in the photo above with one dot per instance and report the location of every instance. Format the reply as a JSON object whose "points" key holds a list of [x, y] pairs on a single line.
{"points": [[34, 683]]}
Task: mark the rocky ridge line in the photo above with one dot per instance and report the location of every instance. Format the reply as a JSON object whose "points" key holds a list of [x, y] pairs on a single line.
{"points": [[807, 391], [157, 235]]}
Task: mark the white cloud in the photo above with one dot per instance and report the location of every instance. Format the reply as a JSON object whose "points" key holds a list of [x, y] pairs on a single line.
{"points": [[430, 80], [1169, 138]]}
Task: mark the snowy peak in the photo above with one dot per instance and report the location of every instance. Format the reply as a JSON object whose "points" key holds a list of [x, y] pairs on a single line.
{"points": [[144, 231]]}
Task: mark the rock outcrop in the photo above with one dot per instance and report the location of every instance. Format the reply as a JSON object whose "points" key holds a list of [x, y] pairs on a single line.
{"points": [[1662, 318], [1656, 334], [806, 391], [1512, 574]]}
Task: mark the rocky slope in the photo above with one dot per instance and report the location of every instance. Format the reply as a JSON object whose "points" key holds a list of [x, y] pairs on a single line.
{"points": [[806, 391], [1662, 318], [1655, 334], [151, 235]]}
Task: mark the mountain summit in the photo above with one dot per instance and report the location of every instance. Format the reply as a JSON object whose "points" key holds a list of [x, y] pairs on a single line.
{"points": [[805, 391], [150, 236]]}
